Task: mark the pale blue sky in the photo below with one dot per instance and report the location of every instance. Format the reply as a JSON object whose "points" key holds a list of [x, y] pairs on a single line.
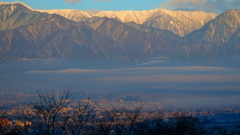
{"points": [[93, 4], [118, 5]]}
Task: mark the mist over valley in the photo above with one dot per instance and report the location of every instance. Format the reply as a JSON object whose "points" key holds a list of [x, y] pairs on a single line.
{"points": [[176, 59]]}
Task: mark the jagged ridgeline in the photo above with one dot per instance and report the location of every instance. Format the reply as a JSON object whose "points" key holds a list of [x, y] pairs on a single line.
{"points": [[26, 33]]}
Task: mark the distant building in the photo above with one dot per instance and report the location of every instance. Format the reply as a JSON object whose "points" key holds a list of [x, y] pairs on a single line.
{"points": [[122, 101], [19, 123], [5, 122]]}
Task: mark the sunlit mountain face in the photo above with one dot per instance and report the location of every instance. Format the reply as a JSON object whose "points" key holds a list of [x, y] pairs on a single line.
{"points": [[125, 35], [178, 58]]}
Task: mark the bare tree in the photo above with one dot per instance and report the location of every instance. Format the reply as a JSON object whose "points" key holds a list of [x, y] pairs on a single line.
{"points": [[6, 126], [47, 115], [132, 118], [120, 121], [181, 124], [79, 118], [100, 126], [150, 126]]}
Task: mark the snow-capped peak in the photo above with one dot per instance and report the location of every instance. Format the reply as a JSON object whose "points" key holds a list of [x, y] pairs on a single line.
{"points": [[128, 15], [72, 14], [141, 16], [16, 2]]}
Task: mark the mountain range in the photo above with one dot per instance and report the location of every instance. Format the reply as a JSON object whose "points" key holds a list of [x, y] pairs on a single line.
{"points": [[159, 18], [26, 33]]}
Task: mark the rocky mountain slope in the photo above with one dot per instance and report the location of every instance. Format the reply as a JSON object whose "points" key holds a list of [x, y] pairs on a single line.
{"points": [[53, 36], [218, 30], [29, 34], [71, 14], [13, 15], [179, 22]]}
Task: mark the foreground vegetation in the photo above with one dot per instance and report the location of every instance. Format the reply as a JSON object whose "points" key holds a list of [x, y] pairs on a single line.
{"points": [[48, 116]]}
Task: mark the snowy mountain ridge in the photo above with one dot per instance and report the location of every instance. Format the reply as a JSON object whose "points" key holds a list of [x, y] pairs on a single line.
{"points": [[178, 22], [141, 16], [72, 14], [132, 35], [16, 2], [138, 17]]}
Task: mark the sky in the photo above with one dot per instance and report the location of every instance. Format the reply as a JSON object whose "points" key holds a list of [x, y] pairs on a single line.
{"points": [[217, 6]]}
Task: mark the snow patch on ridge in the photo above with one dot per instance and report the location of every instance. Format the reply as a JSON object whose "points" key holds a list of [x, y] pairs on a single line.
{"points": [[16, 2], [72, 14], [141, 16]]}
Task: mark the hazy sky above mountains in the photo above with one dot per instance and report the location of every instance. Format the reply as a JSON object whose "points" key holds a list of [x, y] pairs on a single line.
{"points": [[217, 6]]}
